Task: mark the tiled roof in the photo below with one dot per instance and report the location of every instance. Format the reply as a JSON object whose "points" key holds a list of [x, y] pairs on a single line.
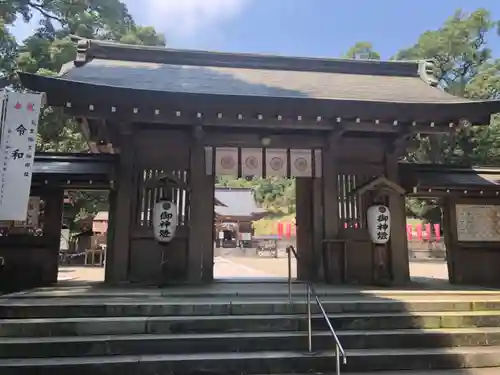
{"points": [[258, 82], [449, 176], [239, 202], [185, 79]]}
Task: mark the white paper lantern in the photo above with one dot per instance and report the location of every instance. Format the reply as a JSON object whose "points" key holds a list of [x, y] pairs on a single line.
{"points": [[379, 224], [164, 221]]}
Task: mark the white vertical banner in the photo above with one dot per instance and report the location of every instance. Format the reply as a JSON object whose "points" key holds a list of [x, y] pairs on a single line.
{"points": [[276, 162], [251, 162], [300, 163], [226, 161], [18, 152], [318, 163]]}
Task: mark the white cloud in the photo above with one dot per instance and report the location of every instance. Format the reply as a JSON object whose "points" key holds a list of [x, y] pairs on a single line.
{"points": [[188, 18]]}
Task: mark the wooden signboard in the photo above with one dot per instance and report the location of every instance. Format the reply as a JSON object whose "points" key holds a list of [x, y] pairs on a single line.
{"points": [[478, 223]]}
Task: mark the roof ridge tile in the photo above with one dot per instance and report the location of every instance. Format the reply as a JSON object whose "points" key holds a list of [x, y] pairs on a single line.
{"points": [[90, 49]]}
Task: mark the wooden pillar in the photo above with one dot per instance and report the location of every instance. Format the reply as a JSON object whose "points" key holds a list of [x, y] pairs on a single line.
{"points": [[450, 237], [332, 251], [399, 261], [201, 214], [110, 241], [304, 222], [208, 232], [318, 228], [118, 268], [52, 231]]}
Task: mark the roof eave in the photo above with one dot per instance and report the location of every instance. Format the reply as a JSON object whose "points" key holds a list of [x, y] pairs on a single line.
{"points": [[59, 91]]}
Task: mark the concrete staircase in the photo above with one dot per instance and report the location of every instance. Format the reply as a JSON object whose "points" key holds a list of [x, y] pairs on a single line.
{"points": [[184, 331]]}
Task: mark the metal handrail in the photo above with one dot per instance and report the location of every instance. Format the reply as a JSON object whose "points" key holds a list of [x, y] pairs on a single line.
{"points": [[311, 291]]}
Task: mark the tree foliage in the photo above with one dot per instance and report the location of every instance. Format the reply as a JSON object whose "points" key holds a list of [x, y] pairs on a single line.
{"points": [[362, 50], [48, 49], [464, 65]]}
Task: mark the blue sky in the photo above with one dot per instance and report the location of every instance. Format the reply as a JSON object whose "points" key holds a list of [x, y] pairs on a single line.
{"points": [[296, 27]]}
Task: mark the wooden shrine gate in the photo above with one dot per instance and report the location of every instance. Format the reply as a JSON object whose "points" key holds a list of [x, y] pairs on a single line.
{"points": [[159, 108]]}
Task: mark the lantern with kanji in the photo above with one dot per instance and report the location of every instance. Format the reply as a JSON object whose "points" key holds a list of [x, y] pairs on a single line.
{"points": [[164, 221], [379, 224]]}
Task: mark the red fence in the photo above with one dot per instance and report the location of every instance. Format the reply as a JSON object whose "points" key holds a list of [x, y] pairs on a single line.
{"points": [[427, 232], [286, 230], [418, 232]]}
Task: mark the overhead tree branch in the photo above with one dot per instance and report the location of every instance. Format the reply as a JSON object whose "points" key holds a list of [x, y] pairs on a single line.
{"points": [[44, 13]]}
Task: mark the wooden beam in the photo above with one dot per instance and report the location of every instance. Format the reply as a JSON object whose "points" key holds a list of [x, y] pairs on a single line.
{"points": [[330, 206], [125, 201], [305, 229], [399, 143], [253, 140], [234, 119], [377, 184], [398, 242], [52, 229], [318, 229], [389, 127], [201, 213], [85, 128], [250, 119], [454, 193], [166, 180]]}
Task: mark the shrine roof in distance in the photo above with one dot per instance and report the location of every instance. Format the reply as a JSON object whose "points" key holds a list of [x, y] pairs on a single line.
{"points": [[238, 203], [106, 77]]}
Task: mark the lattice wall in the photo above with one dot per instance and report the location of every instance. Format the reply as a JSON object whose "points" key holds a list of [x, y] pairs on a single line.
{"points": [[352, 208], [149, 196]]}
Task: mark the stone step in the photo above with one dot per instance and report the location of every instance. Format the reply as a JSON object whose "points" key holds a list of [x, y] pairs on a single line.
{"points": [[242, 323], [248, 289], [40, 347], [261, 362], [184, 307]]}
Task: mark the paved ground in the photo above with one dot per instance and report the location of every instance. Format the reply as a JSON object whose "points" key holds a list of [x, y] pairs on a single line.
{"points": [[250, 266], [427, 270], [247, 259], [81, 274]]}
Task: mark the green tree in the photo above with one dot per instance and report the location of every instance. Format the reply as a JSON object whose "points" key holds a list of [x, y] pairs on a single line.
{"points": [[48, 49], [8, 52], [362, 50], [464, 67]]}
